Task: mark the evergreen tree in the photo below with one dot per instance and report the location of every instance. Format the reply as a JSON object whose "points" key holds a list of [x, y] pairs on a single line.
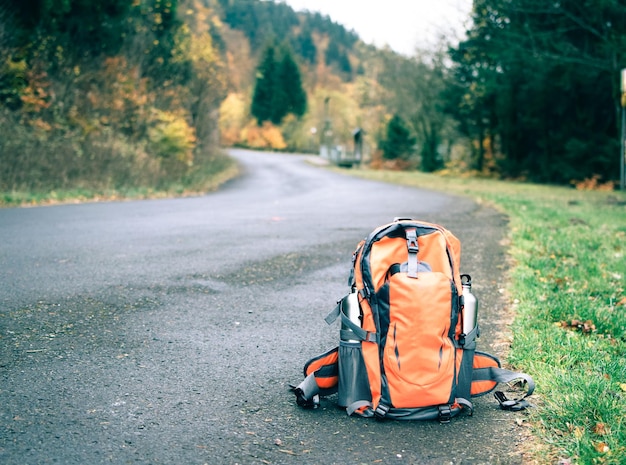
{"points": [[306, 47], [263, 97], [278, 89], [289, 96], [399, 143], [539, 82], [81, 26], [344, 63], [332, 53]]}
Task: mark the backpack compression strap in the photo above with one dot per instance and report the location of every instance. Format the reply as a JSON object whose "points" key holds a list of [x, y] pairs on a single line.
{"points": [[501, 375], [321, 378], [354, 331]]}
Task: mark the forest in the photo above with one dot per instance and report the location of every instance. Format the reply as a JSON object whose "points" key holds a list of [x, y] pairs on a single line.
{"points": [[145, 94]]}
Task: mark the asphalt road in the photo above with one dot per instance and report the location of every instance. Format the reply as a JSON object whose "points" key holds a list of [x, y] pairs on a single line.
{"points": [[167, 331]]}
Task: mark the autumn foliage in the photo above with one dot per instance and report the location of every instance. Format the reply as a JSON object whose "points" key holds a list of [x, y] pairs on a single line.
{"points": [[132, 103]]}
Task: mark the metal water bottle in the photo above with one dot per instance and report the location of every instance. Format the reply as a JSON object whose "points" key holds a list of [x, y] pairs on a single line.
{"points": [[352, 310], [470, 307]]}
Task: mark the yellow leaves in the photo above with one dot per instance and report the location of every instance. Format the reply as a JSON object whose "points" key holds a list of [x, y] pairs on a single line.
{"points": [[202, 49], [41, 124], [27, 84], [594, 183], [34, 99], [577, 431], [171, 137], [233, 115], [193, 41], [118, 104], [267, 136], [125, 83], [622, 386]]}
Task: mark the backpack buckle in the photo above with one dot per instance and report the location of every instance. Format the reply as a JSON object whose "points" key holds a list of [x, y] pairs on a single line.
{"points": [[445, 414], [412, 245], [411, 240], [507, 404], [381, 411], [305, 402]]}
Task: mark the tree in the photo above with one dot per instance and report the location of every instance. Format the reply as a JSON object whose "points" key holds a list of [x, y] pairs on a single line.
{"points": [[306, 46], [539, 83], [398, 143], [118, 93], [263, 97], [81, 26], [259, 20], [278, 89], [289, 96], [418, 87]]}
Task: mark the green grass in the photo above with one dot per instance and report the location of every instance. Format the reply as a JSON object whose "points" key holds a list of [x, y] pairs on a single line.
{"points": [[201, 179], [567, 285]]}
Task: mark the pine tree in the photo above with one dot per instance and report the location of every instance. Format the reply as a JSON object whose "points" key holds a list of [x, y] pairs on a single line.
{"points": [[289, 96], [398, 144], [263, 97], [278, 90], [539, 84], [306, 45]]}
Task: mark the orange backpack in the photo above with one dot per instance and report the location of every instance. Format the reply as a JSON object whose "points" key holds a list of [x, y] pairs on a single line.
{"points": [[402, 352]]}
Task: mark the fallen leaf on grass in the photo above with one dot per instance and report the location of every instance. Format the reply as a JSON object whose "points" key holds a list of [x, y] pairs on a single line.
{"points": [[584, 327], [578, 432], [602, 447], [600, 429], [623, 386]]}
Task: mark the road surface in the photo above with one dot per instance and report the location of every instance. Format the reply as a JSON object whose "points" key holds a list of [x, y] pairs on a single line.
{"points": [[167, 331]]}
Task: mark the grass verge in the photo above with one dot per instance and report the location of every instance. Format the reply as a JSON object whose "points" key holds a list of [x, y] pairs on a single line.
{"points": [[567, 285], [201, 179]]}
